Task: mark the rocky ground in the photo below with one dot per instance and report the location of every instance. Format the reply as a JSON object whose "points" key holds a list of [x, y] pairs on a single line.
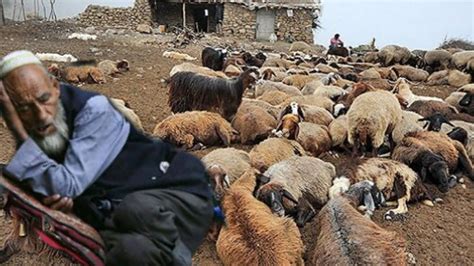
{"points": [[440, 235]]}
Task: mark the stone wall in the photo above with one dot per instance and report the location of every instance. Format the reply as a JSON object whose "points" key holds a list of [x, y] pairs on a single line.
{"points": [[298, 26], [239, 21], [140, 13]]}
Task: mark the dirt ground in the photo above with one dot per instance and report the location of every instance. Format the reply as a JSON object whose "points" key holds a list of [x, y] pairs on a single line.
{"points": [[440, 235]]}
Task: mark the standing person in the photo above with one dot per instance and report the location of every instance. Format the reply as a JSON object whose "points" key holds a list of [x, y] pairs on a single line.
{"points": [[151, 203], [336, 41]]}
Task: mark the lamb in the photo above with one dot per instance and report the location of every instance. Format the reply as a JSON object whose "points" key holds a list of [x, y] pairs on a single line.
{"points": [[82, 36], [402, 88], [263, 86], [252, 235], [434, 154], [189, 67], [345, 237], [391, 178], [121, 106], [372, 115], [110, 68], [410, 123], [410, 73], [224, 167], [178, 56], [460, 59], [213, 59], [274, 97], [195, 129], [80, 73], [437, 60], [189, 91], [298, 185], [66, 58], [253, 123], [428, 108], [272, 151]]}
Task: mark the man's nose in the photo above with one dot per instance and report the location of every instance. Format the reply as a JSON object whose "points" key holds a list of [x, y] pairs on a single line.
{"points": [[42, 115]]}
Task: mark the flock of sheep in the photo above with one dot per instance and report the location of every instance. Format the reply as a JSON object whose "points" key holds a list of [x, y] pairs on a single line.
{"points": [[299, 106]]}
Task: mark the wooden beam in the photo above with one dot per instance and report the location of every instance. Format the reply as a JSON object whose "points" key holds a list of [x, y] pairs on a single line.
{"points": [[2, 14]]}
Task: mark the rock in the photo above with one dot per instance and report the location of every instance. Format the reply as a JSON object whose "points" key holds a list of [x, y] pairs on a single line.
{"points": [[89, 30], [143, 28]]}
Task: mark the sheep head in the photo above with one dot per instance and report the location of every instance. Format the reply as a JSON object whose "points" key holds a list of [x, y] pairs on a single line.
{"points": [[220, 181], [276, 197], [466, 100], [435, 122], [96, 75], [459, 134], [123, 65], [250, 77], [268, 74], [288, 126], [436, 167], [54, 70], [366, 193]]}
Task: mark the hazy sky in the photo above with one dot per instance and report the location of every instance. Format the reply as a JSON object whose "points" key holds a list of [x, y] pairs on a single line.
{"points": [[417, 24]]}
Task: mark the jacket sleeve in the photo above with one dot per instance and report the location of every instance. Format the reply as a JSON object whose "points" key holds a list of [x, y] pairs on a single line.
{"points": [[100, 133]]}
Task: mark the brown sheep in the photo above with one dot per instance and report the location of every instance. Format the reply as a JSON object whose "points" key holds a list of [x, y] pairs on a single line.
{"points": [[195, 128], [111, 68], [312, 100], [429, 108], [440, 148], [274, 97], [253, 123], [272, 110], [346, 237], [78, 74], [346, 100], [299, 81], [272, 151], [252, 235], [315, 139]]}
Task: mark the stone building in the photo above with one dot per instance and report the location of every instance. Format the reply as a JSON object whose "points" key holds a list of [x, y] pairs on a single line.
{"points": [[248, 19]]}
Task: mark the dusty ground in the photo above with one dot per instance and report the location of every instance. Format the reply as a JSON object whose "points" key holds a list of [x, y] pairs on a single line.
{"points": [[441, 235]]}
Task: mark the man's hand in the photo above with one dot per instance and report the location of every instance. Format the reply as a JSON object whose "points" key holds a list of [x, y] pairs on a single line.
{"points": [[56, 202], [11, 116]]}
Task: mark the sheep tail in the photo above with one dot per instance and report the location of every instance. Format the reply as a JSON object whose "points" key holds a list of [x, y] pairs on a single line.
{"points": [[340, 185]]}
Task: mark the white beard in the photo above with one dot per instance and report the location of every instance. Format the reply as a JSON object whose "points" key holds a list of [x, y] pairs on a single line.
{"points": [[55, 145]]}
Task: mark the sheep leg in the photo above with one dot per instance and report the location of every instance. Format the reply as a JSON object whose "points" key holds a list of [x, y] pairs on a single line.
{"points": [[225, 138], [399, 212]]}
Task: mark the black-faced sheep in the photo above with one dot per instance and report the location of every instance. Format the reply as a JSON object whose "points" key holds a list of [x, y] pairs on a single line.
{"points": [[297, 186], [195, 128], [435, 121], [189, 91], [346, 237], [272, 151], [467, 103], [213, 59], [394, 179], [253, 123], [252, 235], [468, 142], [372, 115], [434, 155], [224, 167]]}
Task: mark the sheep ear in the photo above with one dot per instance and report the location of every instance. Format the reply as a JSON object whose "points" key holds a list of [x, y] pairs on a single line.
{"points": [[288, 195], [301, 113]]}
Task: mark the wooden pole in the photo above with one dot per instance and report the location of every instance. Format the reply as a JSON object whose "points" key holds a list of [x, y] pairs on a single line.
{"points": [[184, 15], [2, 13]]}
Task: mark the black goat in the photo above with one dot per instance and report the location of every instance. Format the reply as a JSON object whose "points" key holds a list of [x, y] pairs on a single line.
{"points": [[435, 121], [339, 51], [189, 91], [213, 58]]}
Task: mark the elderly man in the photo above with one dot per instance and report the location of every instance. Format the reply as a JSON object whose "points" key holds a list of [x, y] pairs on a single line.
{"points": [[151, 203]]}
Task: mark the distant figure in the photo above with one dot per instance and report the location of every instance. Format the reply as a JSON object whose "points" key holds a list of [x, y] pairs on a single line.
{"points": [[336, 42]]}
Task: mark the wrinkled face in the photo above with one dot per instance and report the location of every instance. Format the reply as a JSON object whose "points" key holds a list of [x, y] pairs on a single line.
{"points": [[35, 97], [219, 181], [440, 174]]}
